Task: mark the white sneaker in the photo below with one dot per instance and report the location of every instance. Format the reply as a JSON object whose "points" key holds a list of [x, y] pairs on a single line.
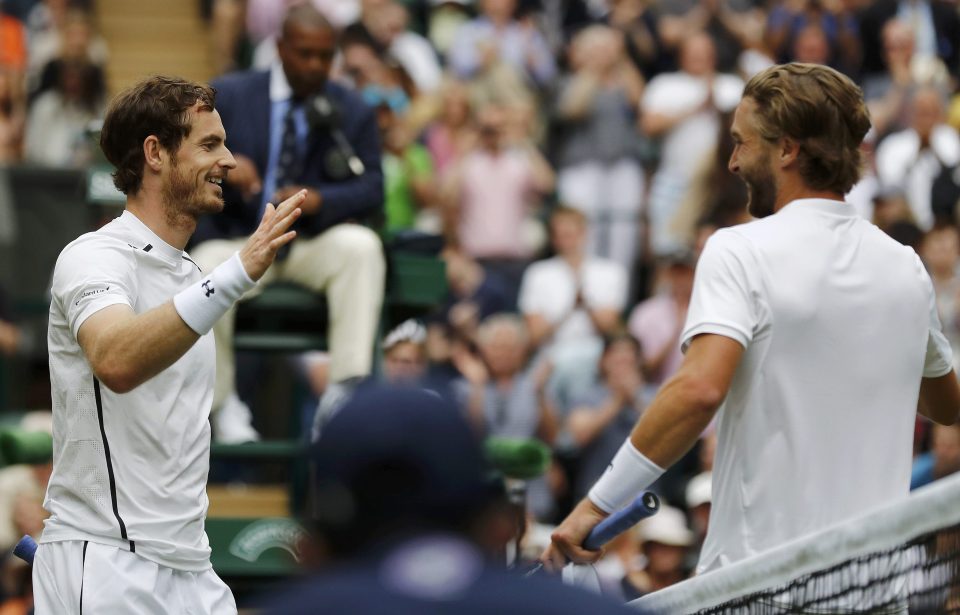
{"points": [[233, 423]]}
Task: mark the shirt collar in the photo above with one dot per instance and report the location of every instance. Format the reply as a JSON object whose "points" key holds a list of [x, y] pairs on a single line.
{"points": [[280, 89], [827, 206], [160, 247]]}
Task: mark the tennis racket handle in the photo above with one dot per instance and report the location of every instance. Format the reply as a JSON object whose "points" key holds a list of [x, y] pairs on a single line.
{"points": [[26, 548], [645, 505]]}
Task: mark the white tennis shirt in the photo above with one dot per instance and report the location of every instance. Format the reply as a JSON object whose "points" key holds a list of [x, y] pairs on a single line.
{"points": [[129, 470], [838, 322]]}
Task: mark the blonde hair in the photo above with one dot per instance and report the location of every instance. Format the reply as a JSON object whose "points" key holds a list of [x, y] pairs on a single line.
{"points": [[823, 111]]}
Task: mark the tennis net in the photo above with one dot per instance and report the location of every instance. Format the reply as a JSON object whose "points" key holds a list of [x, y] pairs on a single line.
{"points": [[903, 558]]}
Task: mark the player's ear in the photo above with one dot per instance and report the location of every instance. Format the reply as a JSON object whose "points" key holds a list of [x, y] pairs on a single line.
{"points": [[789, 151], [153, 153]]}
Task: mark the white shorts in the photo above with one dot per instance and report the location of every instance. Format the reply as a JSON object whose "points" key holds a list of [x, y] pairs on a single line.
{"points": [[76, 577]]}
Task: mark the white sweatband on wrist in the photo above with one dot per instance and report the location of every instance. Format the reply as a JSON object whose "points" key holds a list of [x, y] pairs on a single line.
{"points": [[201, 304], [628, 474]]}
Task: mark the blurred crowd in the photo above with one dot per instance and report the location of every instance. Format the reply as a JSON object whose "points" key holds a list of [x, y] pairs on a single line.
{"points": [[572, 155]]}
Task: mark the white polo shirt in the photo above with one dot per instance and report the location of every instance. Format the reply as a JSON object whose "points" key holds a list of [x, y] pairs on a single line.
{"points": [[129, 470], [838, 322]]}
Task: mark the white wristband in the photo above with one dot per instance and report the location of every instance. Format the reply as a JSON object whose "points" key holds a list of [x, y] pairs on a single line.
{"points": [[201, 304], [628, 474]]}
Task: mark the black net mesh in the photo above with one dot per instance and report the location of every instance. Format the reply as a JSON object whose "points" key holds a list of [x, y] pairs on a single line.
{"points": [[920, 576]]}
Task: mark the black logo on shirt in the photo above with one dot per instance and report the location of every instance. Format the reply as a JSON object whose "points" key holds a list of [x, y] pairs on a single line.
{"points": [[208, 288], [91, 293]]}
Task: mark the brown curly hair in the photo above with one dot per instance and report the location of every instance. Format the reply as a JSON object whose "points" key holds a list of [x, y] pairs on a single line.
{"points": [[156, 106]]}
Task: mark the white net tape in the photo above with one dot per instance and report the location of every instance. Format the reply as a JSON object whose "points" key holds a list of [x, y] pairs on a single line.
{"points": [[881, 531]]}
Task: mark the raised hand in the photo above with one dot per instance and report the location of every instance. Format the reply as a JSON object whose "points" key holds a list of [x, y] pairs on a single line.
{"points": [[261, 249]]}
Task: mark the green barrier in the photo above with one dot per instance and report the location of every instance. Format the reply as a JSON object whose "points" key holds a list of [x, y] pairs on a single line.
{"points": [[263, 547]]}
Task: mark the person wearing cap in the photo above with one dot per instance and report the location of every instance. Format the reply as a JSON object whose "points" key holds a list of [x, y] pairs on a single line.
{"points": [[406, 520], [404, 354], [664, 541], [404, 364]]}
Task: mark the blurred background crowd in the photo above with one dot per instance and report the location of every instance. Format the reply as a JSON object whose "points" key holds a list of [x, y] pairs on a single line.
{"points": [[572, 155]]}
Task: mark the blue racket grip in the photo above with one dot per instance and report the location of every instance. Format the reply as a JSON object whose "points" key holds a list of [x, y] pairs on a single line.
{"points": [[26, 549], [645, 505]]}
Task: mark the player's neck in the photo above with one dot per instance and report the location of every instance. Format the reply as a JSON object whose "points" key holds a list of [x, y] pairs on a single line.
{"points": [[172, 228], [793, 189]]}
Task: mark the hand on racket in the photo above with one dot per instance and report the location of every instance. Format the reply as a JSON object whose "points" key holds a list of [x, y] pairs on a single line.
{"points": [[587, 528]]}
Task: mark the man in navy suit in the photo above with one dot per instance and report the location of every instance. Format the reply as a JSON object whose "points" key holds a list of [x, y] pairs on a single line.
{"points": [[290, 128]]}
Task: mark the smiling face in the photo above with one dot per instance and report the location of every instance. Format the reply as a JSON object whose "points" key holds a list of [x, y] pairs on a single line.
{"points": [[192, 183], [751, 160]]}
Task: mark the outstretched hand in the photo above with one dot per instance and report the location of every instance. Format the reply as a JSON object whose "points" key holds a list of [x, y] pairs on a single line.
{"points": [[274, 231], [567, 540]]}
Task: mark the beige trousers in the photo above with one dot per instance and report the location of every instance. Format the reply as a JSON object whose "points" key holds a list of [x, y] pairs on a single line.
{"points": [[346, 263]]}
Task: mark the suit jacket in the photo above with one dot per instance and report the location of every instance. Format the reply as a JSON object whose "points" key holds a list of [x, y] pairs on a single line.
{"points": [[243, 100]]}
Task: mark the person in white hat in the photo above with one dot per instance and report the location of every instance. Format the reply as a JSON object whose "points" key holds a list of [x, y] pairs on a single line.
{"points": [[664, 542]]}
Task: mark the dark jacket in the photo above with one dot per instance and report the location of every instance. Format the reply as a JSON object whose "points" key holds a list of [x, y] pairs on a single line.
{"points": [[243, 100]]}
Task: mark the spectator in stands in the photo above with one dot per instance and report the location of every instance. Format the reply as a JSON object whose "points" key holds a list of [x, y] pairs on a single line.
{"points": [[658, 321], [638, 20], [60, 30], [408, 179], [888, 92], [77, 38], [811, 45], [699, 496], [404, 354], [571, 299], [682, 111], [57, 122], [489, 219], [935, 25], [502, 395], [495, 36], [410, 522], [911, 159], [733, 25], [602, 418], [474, 294], [375, 73], [444, 20], [506, 396], [12, 117], [664, 540], [940, 251], [282, 144], [384, 23], [599, 170], [837, 21], [451, 133]]}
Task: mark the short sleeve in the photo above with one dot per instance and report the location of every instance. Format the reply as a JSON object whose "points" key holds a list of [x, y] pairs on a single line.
{"points": [[938, 360], [724, 291], [90, 275]]}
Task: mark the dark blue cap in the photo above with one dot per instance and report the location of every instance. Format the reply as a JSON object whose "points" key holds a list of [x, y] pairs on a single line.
{"points": [[397, 453]]}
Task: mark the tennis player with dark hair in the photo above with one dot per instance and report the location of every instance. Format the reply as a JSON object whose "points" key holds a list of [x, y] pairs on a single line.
{"points": [[812, 332], [132, 368]]}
